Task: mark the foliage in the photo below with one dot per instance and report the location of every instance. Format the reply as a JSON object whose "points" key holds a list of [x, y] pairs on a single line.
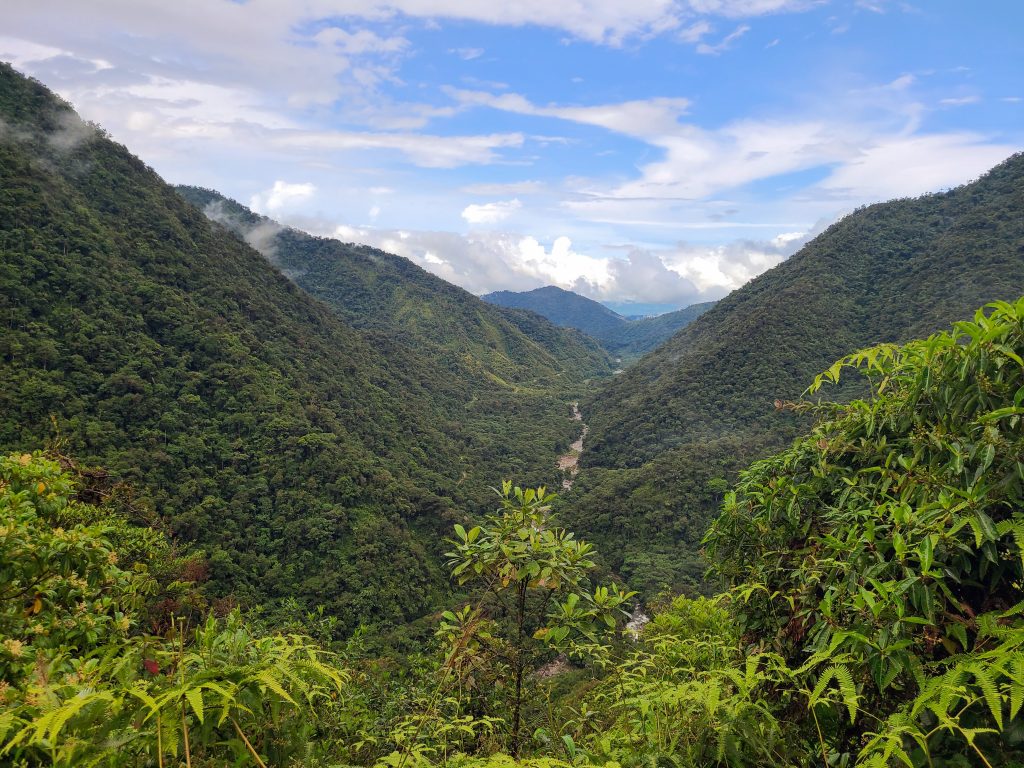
{"points": [[565, 308], [689, 695], [621, 336], [79, 683], [701, 406], [529, 577], [883, 554], [293, 448]]}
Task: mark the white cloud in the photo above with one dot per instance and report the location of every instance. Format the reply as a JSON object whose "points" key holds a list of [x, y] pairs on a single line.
{"points": [[505, 188], [424, 150], [467, 54], [748, 8], [247, 93], [485, 261], [698, 162], [725, 43], [913, 165], [641, 117], [281, 196], [490, 213], [694, 32], [361, 41], [959, 101]]}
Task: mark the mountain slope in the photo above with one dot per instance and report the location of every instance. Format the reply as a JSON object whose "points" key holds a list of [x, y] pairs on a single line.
{"points": [[563, 307], [376, 290], [664, 432], [309, 459], [638, 337], [617, 334]]}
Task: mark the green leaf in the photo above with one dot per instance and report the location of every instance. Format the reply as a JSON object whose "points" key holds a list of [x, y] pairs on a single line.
{"points": [[195, 700]]}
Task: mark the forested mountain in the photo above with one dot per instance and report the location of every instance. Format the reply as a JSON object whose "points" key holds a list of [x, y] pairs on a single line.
{"points": [[308, 458], [638, 337], [380, 291], [564, 307], [621, 336], [665, 432]]}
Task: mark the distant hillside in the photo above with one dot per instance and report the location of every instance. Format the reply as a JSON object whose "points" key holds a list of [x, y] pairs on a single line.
{"points": [[638, 337], [380, 291], [563, 307], [622, 337], [309, 459], [699, 407]]}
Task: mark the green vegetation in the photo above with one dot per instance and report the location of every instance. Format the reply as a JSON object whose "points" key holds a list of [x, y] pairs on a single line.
{"points": [[563, 307], [874, 616], [519, 564], [280, 473], [882, 555], [622, 337], [636, 338], [378, 291], [246, 416], [667, 433]]}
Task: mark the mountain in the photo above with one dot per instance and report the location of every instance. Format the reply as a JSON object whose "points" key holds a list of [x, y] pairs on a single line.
{"points": [[666, 432], [308, 458], [379, 291], [637, 337], [563, 307], [621, 336]]}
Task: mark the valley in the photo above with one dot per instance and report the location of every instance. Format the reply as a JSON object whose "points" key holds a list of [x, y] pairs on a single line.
{"points": [[568, 463], [272, 498]]}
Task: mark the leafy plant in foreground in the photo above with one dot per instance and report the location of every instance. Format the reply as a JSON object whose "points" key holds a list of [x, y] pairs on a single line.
{"points": [[530, 578], [883, 555]]}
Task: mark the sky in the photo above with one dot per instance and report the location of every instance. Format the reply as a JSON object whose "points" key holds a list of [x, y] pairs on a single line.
{"points": [[649, 154]]}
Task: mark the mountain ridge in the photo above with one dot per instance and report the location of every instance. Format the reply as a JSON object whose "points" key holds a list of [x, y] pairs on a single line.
{"points": [[667, 432], [246, 415], [621, 336]]}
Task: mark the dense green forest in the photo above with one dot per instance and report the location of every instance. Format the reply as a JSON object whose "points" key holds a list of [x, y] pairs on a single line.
{"points": [[873, 615], [255, 507], [563, 307], [247, 416], [378, 291], [668, 433], [623, 337]]}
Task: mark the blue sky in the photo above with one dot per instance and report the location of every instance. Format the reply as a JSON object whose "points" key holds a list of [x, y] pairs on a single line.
{"points": [[659, 152]]}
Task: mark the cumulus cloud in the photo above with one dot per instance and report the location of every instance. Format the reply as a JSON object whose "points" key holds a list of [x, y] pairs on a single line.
{"points": [[490, 213], [487, 260], [281, 196]]}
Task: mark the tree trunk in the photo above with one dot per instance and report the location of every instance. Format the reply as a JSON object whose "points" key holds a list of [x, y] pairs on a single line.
{"points": [[517, 702]]}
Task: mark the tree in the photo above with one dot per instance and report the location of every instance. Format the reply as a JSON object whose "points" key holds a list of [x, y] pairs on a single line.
{"points": [[80, 685], [883, 554], [529, 577]]}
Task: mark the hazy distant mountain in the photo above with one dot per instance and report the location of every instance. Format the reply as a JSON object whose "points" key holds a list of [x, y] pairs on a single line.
{"points": [[621, 336], [563, 307]]}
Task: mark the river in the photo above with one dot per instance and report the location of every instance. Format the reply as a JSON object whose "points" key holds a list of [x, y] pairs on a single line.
{"points": [[569, 462]]}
